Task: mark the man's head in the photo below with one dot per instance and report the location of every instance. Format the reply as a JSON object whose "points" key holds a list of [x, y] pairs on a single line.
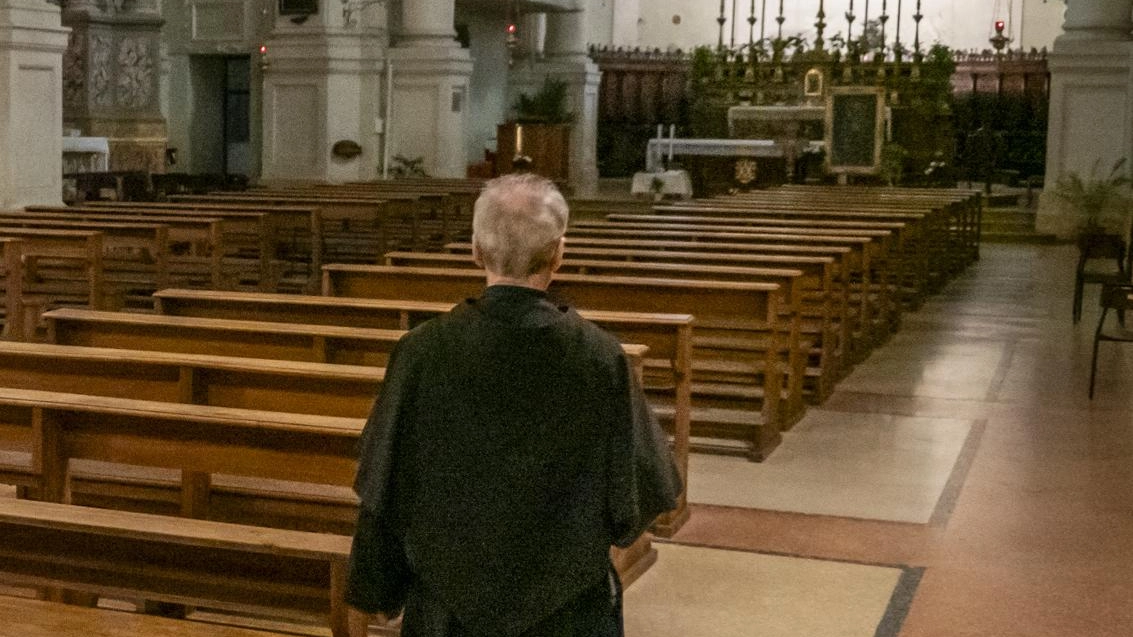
{"points": [[518, 225]]}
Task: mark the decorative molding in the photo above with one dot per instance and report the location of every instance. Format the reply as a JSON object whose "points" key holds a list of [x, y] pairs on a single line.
{"points": [[75, 73], [101, 69], [136, 80]]}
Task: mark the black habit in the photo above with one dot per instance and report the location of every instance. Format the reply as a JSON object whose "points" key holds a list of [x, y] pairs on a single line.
{"points": [[510, 447]]}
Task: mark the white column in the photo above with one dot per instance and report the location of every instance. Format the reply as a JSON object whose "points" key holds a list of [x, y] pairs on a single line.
{"points": [[533, 31], [32, 43], [1091, 101], [431, 73], [566, 59], [322, 84], [1098, 19], [566, 36], [426, 23]]}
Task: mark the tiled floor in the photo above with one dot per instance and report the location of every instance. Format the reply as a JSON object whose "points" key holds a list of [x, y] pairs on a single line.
{"points": [[964, 451]]}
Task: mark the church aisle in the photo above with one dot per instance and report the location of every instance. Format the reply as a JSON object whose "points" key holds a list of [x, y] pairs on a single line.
{"points": [[1016, 514]]}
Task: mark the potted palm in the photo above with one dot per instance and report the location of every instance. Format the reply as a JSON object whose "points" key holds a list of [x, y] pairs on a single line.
{"points": [[1101, 204]]}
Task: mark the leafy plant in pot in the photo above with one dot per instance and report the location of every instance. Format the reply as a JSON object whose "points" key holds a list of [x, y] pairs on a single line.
{"points": [[1102, 204], [546, 106]]}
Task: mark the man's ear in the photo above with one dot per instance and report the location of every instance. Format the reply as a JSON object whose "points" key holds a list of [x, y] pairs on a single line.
{"points": [[476, 258], [560, 252]]}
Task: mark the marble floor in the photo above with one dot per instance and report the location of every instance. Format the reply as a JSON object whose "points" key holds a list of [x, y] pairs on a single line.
{"points": [[958, 483]]}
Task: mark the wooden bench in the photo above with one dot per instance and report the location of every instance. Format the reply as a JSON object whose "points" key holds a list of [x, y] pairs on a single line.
{"points": [[63, 428], [135, 258], [737, 360], [812, 335], [293, 233], [910, 271], [204, 238], [667, 368], [876, 248], [33, 618], [293, 575], [80, 250], [826, 291], [13, 280]]}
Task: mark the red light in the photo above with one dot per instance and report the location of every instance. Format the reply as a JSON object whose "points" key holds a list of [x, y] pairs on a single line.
{"points": [[999, 25], [511, 29], [263, 49]]}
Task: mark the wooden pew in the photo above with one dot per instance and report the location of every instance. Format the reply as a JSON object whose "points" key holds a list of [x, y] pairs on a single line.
{"points": [[63, 428], [250, 339], [876, 249], [135, 254], [205, 236], [81, 249], [910, 272], [862, 312], [737, 366], [815, 334], [13, 281], [369, 219], [293, 575], [294, 233], [667, 369], [34, 618]]}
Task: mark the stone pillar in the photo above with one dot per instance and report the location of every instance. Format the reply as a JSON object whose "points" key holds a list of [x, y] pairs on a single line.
{"points": [[430, 89], [322, 85], [1097, 20], [565, 59], [533, 31], [1091, 101], [112, 72], [32, 43]]}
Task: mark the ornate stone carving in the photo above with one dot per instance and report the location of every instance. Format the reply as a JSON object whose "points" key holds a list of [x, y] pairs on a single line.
{"points": [[101, 52], [74, 73], [135, 73]]}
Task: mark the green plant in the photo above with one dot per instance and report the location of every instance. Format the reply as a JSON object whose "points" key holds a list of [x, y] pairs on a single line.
{"points": [[1102, 203], [406, 167], [893, 163], [546, 106]]}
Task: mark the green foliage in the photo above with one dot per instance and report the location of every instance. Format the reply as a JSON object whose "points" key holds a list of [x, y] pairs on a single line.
{"points": [[406, 167], [547, 106], [1101, 202], [893, 163], [703, 62]]}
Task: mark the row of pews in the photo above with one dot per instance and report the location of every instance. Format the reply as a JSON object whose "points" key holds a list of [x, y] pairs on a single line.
{"points": [[737, 311]]}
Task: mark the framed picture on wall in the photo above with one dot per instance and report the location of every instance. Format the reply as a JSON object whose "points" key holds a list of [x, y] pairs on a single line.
{"points": [[855, 130]]}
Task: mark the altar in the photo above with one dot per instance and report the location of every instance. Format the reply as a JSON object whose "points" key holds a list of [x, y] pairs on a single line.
{"points": [[85, 154]]}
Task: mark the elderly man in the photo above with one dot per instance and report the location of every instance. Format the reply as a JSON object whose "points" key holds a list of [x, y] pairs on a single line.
{"points": [[511, 446]]}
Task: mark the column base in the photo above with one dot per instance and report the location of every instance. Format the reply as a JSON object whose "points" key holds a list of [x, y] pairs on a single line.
{"points": [[429, 108]]}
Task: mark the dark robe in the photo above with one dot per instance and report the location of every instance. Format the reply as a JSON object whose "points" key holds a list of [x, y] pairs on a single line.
{"points": [[511, 445]]}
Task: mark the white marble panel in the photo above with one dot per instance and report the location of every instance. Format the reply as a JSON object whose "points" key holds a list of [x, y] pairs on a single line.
{"points": [[694, 591], [859, 465]]}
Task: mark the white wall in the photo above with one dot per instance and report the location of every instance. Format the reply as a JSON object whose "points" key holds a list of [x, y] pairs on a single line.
{"points": [[960, 24], [487, 103]]}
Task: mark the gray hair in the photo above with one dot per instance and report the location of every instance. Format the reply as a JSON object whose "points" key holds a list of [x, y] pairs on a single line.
{"points": [[516, 224]]}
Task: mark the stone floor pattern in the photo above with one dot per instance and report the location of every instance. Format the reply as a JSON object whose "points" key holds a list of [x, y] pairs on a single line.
{"points": [[958, 483]]}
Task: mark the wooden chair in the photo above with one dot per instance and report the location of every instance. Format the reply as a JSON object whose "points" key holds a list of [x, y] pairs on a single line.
{"points": [[1119, 298], [1092, 249]]}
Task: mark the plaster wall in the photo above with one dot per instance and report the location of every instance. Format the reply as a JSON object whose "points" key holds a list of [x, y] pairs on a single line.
{"points": [[488, 101]]}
